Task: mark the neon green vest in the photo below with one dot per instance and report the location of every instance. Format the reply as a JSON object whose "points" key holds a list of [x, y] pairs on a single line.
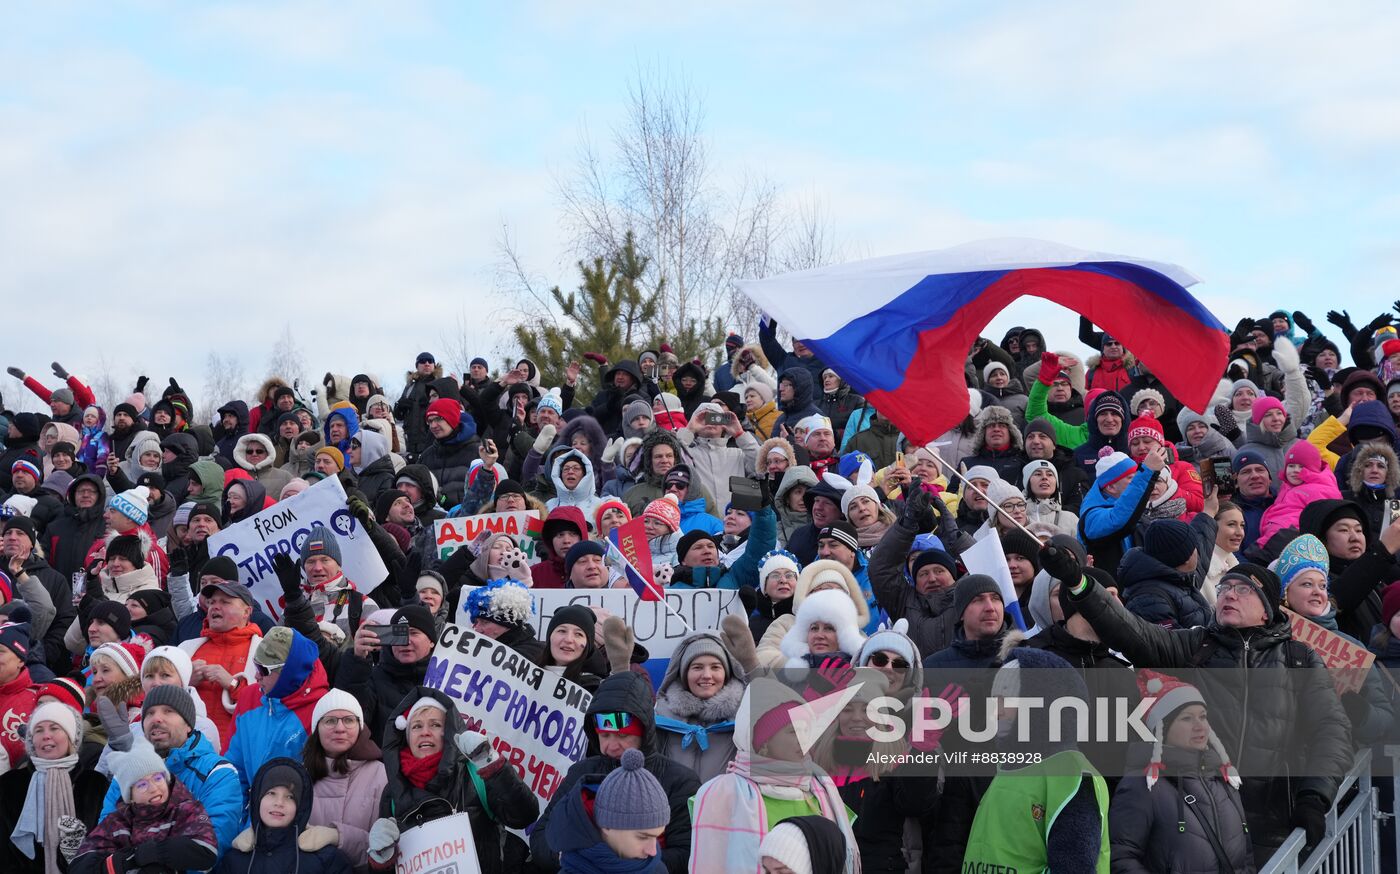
{"points": [[1015, 816]]}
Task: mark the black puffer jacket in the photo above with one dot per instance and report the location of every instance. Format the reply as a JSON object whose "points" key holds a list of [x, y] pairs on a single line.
{"points": [[1156, 831], [450, 459], [1355, 584], [379, 687], [71, 535], [932, 622], [1160, 594], [608, 402], [510, 801], [89, 791], [627, 692], [1271, 722]]}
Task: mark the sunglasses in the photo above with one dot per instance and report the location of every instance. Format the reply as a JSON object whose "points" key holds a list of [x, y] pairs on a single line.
{"points": [[880, 660], [254, 450], [266, 670], [612, 721]]}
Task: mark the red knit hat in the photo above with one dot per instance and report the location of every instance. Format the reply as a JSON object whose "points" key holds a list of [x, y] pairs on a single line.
{"points": [[613, 504], [446, 409], [1390, 347], [1171, 695], [1146, 425], [62, 689], [666, 511]]}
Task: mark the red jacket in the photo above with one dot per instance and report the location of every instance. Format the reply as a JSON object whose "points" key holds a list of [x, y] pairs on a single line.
{"points": [[82, 395], [17, 701]]}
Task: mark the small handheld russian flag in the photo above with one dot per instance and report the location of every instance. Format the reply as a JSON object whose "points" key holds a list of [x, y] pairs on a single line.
{"points": [[985, 556], [630, 542]]}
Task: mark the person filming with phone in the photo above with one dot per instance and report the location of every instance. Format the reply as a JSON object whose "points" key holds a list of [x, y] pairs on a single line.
{"points": [[712, 458], [386, 663]]}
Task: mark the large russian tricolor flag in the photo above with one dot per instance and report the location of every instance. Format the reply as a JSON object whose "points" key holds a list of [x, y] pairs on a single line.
{"points": [[899, 328]]}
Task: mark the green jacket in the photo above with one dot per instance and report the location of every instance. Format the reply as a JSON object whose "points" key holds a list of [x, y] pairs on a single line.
{"points": [[1066, 435]]}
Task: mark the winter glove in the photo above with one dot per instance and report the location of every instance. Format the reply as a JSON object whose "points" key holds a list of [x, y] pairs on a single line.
{"points": [[663, 574], [141, 383], [1381, 321], [516, 565], [610, 452], [1357, 707], [360, 510], [383, 839], [288, 576], [952, 694], [118, 729], [1061, 564], [58, 370], [179, 562], [1342, 320], [546, 439], [1319, 376], [317, 836], [917, 510], [71, 833], [1286, 355], [15, 372], [1303, 322], [618, 641], [244, 841], [477, 748], [1310, 815], [1049, 368], [765, 493], [174, 388], [596, 357], [740, 641]]}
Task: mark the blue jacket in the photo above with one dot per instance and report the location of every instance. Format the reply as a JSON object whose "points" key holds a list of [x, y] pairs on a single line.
{"points": [[273, 729], [572, 833], [210, 779], [275, 849], [694, 518], [763, 539], [1103, 520]]}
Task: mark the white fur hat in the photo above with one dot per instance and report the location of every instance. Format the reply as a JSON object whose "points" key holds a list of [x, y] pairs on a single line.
{"points": [[833, 607]]}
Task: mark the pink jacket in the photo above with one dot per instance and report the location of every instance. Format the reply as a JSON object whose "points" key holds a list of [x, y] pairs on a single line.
{"points": [[350, 804], [1319, 483]]}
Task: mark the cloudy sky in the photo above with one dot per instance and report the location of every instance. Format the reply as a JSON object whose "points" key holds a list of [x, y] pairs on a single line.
{"points": [[181, 178]]}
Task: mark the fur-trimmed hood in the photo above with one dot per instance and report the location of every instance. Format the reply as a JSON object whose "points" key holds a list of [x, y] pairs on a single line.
{"points": [[817, 572], [240, 452], [995, 415], [1365, 452], [673, 699], [654, 438], [776, 443], [1129, 361], [597, 440], [270, 385], [758, 358]]}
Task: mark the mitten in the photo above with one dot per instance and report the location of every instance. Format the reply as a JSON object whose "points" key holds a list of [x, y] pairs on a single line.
{"points": [[317, 836], [1286, 355], [618, 641], [1049, 367], [1357, 708], [663, 574], [917, 508], [118, 729], [1303, 322], [15, 372], [1310, 815], [596, 357], [58, 370], [546, 439], [71, 833], [612, 449], [477, 748], [383, 839], [141, 383], [516, 565], [740, 642]]}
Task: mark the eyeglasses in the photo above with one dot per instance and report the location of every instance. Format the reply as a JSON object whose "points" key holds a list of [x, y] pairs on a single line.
{"points": [[1240, 589], [1013, 505], [1112, 343], [146, 784], [880, 660], [612, 721], [266, 670], [343, 721]]}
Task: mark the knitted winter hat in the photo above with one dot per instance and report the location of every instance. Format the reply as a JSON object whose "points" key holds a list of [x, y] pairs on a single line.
{"points": [[1146, 425], [26, 466], [446, 409], [611, 504], [635, 409], [938, 555], [62, 395], [849, 495], [786, 844], [1020, 543], [842, 532], [666, 511], [1245, 457], [968, 588], [552, 400], [506, 602], [778, 559], [177, 657], [319, 541], [417, 616], [574, 614], [1113, 467], [762, 389], [982, 472], [19, 505], [630, 797], [991, 368], [830, 606], [1170, 541], [127, 546], [182, 513], [25, 525], [1032, 467], [337, 699], [1264, 405], [14, 636], [999, 491], [334, 455], [131, 767], [177, 698], [579, 550], [1171, 695], [430, 580], [402, 720], [690, 539], [1264, 581], [133, 503], [64, 690], [894, 639], [1301, 553], [62, 715], [126, 656], [1244, 383], [115, 614], [1304, 453], [1146, 394]]}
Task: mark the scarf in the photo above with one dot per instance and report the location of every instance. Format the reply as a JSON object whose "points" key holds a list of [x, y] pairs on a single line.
{"points": [[600, 859], [692, 733], [419, 771], [870, 535], [49, 799]]}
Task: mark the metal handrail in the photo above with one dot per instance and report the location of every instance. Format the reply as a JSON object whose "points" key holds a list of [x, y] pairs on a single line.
{"points": [[1350, 843]]}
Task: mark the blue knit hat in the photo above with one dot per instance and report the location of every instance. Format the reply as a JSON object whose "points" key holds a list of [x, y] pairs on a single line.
{"points": [[1246, 457], [134, 504], [1299, 555], [631, 798], [320, 541]]}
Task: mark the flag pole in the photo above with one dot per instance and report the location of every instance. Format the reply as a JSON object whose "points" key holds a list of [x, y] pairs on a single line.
{"points": [[665, 602], [969, 484]]}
